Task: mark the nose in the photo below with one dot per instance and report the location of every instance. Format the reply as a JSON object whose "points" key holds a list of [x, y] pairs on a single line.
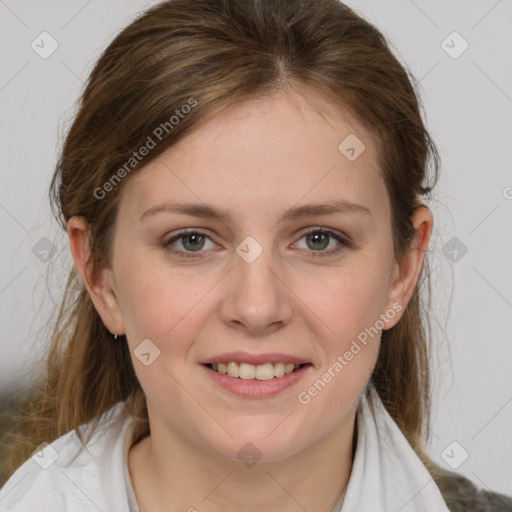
{"points": [[257, 298]]}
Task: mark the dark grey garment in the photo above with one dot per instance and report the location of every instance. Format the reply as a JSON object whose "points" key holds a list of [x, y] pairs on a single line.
{"points": [[461, 495]]}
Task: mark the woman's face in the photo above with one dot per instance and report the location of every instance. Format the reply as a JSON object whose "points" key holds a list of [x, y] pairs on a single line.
{"points": [[287, 260]]}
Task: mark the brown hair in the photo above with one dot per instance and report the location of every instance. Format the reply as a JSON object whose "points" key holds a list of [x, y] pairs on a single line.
{"points": [[217, 52]]}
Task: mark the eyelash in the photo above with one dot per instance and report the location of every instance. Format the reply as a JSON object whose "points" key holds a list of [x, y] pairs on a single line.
{"points": [[344, 243]]}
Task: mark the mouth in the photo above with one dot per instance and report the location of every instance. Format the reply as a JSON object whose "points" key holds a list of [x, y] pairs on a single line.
{"points": [[257, 376], [246, 371]]}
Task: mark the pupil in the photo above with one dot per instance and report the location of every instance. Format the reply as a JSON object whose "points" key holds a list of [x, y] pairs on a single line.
{"points": [[190, 242], [321, 239]]}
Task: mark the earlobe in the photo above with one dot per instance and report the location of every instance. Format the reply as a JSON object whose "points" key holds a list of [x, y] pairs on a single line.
{"points": [[100, 286], [406, 274]]}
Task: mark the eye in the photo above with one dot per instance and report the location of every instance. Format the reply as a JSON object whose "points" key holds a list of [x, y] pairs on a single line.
{"points": [[323, 241], [188, 242], [318, 241]]}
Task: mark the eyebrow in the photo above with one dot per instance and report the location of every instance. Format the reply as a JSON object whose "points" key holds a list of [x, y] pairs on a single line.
{"points": [[299, 212]]}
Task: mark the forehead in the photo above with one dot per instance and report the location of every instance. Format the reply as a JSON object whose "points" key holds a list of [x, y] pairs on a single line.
{"points": [[265, 154]]}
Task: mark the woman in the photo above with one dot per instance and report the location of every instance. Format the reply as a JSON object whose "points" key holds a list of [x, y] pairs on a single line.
{"points": [[242, 189]]}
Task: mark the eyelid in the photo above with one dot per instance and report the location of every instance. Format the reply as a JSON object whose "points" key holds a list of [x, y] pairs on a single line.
{"points": [[186, 231], [329, 231]]}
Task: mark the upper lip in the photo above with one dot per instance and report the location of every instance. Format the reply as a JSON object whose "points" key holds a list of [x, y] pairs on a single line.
{"points": [[254, 359]]}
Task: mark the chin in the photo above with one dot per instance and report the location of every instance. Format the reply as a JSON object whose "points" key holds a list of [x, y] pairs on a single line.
{"points": [[259, 440]]}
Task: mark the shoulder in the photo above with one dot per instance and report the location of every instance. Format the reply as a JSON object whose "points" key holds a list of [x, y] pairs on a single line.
{"points": [[462, 495], [66, 475]]}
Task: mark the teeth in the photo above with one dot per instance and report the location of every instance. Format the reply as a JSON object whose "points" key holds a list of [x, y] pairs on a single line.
{"points": [[278, 369], [233, 370], [247, 371], [264, 371]]}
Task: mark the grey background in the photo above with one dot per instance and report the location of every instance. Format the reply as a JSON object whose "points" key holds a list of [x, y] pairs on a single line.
{"points": [[468, 103]]}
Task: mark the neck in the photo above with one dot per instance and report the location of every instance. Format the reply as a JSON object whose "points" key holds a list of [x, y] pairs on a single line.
{"points": [[170, 473]]}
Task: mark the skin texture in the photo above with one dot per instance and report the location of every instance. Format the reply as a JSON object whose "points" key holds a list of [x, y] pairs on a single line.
{"points": [[254, 160]]}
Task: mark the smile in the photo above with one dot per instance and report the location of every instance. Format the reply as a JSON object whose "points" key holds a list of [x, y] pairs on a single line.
{"points": [[257, 381], [246, 371]]}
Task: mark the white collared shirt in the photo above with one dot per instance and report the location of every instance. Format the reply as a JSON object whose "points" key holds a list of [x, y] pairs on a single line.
{"points": [[386, 476]]}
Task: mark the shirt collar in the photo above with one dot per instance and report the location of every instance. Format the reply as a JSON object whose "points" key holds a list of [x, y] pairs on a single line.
{"points": [[387, 475]]}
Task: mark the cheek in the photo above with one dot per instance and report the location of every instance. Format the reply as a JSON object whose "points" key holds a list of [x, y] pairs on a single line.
{"points": [[349, 307], [346, 302], [161, 305], [156, 299]]}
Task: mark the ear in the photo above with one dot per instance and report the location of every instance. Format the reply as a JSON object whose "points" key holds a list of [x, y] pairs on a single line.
{"points": [[101, 290], [405, 275]]}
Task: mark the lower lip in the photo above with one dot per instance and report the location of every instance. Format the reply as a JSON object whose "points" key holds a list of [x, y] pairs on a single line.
{"points": [[257, 388]]}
